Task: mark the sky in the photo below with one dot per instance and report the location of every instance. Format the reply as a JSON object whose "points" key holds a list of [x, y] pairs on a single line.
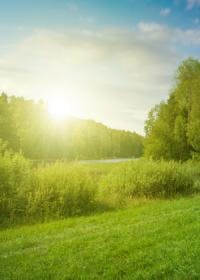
{"points": [[110, 61]]}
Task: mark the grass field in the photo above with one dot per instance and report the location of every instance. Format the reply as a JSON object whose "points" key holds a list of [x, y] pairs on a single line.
{"points": [[155, 240]]}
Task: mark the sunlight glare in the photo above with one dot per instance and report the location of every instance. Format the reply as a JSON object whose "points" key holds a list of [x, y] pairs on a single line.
{"points": [[58, 109]]}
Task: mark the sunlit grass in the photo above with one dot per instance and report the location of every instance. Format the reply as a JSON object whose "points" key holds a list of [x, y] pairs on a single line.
{"points": [[159, 240]]}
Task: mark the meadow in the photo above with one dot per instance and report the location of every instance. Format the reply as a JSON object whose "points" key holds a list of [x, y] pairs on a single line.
{"points": [[152, 239]]}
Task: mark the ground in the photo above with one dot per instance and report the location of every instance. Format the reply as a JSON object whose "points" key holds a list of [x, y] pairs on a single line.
{"points": [[153, 240]]}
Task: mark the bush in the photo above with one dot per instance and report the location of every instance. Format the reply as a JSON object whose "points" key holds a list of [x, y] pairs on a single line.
{"points": [[145, 179], [193, 167], [15, 179], [58, 190], [39, 193], [61, 190]]}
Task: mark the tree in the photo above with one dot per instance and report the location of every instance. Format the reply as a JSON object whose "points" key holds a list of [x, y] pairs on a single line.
{"points": [[172, 127], [27, 127]]}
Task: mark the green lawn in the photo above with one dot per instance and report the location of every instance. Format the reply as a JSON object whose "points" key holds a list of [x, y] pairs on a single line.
{"points": [[159, 240]]}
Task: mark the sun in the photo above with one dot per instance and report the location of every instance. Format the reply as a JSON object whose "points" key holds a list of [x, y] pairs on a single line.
{"points": [[58, 109]]}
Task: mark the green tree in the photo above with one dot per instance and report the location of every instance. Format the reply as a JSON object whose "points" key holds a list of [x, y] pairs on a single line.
{"points": [[172, 127]]}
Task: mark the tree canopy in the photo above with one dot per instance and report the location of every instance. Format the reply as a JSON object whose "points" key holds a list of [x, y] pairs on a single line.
{"points": [[172, 128], [27, 127]]}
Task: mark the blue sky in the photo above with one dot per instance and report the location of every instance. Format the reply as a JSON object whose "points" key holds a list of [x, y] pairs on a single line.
{"points": [[59, 13], [109, 60]]}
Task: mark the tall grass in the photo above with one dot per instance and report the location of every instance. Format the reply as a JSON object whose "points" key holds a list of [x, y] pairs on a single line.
{"points": [[39, 193], [144, 178], [61, 190], [15, 184]]}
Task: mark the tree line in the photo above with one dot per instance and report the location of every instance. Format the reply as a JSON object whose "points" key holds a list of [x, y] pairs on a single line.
{"points": [[172, 128], [26, 127]]}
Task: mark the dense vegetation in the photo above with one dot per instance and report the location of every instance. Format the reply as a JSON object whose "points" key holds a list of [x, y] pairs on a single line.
{"points": [[146, 179], [172, 128], [31, 193], [26, 126], [155, 240]]}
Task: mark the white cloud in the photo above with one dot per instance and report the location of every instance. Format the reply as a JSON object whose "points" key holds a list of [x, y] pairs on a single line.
{"points": [[154, 31], [163, 33], [192, 3], [165, 12], [189, 36], [196, 21], [114, 75]]}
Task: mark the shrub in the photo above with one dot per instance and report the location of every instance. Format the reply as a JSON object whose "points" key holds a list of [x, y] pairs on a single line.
{"points": [[193, 167], [61, 190], [15, 179], [57, 190], [147, 179]]}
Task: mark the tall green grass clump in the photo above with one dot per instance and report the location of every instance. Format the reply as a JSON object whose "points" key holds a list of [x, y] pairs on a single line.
{"points": [[40, 193], [15, 184], [61, 190], [151, 179], [193, 166]]}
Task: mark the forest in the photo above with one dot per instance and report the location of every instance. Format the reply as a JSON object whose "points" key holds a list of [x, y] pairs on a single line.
{"points": [[28, 128]]}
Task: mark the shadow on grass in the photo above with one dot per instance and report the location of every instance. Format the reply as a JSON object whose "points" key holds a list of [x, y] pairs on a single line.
{"points": [[15, 222], [98, 208]]}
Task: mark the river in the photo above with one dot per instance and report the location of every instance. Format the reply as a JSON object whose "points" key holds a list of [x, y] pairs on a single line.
{"points": [[113, 160]]}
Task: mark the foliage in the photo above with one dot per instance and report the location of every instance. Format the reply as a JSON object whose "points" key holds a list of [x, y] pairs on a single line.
{"points": [[3, 147], [58, 190], [172, 127], [61, 190], [15, 181], [145, 178], [27, 127]]}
